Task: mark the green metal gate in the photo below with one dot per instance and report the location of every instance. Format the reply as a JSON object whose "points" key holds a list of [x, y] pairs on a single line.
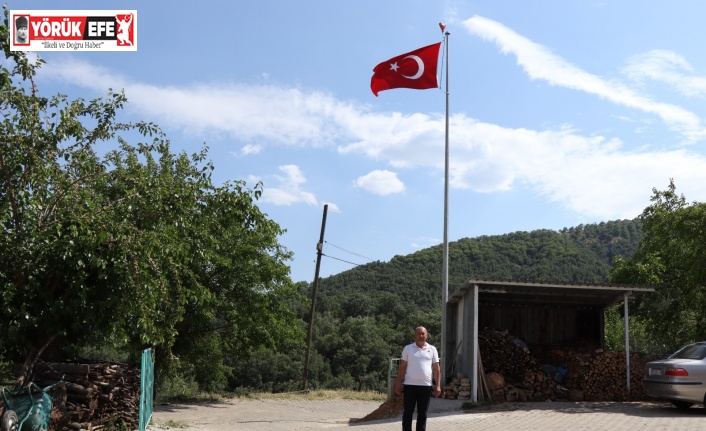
{"points": [[146, 387]]}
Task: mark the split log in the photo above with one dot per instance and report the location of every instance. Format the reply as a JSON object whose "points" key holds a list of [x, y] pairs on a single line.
{"points": [[95, 394]]}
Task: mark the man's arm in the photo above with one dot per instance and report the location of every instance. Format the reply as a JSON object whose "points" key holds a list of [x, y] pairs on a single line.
{"points": [[400, 376], [436, 370]]}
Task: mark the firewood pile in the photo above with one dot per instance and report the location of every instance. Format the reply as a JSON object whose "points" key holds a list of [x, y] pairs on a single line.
{"points": [[535, 386], [538, 386], [511, 372], [601, 375], [506, 355], [92, 396], [458, 389]]}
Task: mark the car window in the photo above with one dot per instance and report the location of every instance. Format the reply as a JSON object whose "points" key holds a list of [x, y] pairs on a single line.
{"points": [[692, 351]]}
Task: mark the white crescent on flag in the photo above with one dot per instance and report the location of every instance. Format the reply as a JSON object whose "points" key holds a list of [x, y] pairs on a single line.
{"points": [[420, 63]]}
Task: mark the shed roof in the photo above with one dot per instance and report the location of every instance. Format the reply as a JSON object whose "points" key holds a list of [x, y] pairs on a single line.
{"points": [[547, 293]]}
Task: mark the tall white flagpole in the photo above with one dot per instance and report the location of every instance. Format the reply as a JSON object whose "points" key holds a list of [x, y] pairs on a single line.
{"points": [[445, 264]]}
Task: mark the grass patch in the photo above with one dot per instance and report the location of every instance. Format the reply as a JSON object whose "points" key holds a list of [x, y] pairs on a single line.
{"points": [[202, 397], [195, 398], [176, 424], [322, 395]]}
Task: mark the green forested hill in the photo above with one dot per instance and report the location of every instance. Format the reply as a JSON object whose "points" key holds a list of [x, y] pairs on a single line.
{"points": [[364, 316], [579, 254]]}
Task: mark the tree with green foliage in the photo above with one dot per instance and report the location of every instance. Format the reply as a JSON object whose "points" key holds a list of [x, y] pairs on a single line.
{"points": [[671, 257], [132, 249], [358, 350]]}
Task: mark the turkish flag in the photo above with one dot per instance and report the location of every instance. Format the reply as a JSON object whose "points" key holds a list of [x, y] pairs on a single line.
{"points": [[416, 69]]}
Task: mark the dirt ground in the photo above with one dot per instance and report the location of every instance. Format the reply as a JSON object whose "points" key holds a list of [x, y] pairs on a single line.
{"points": [[275, 414], [299, 414], [391, 408], [265, 414]]}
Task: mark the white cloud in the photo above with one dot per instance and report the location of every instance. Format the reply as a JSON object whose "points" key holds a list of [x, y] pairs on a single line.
{"points": [[380, 182], [251, 149], [668, 67], [287, 189], [540, 63], [269, 112], [589, 175], [592, 175]]}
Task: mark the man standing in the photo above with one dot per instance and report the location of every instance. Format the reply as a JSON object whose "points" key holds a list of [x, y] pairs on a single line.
{"points": [[419, 361]]}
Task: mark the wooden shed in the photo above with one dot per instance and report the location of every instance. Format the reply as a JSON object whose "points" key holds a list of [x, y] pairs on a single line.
{"points": [[538, 313]]}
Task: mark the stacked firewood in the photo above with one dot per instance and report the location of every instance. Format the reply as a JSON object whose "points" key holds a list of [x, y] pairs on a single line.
{"points": [[606, 379], [601, 375], [538, 386], [577, 362], [505, 354], [458, 389], [535, 386], [91, 396], [594, 373]]}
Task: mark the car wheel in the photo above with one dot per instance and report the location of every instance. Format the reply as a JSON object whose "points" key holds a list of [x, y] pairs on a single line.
{"points": [[9, 421], [682, 405]]}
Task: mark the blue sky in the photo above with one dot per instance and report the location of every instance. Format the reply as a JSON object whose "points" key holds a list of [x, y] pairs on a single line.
{"points": [[561, 112]]}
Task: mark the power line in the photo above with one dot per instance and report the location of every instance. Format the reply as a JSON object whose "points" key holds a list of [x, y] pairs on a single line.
{"points": [[347, 251], [351, 263]]}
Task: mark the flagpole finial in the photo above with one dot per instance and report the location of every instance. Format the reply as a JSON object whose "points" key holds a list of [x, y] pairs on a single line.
{"points": [[442, 26]]}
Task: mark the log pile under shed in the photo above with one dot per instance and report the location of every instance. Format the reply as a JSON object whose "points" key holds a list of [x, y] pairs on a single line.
{"points": [[512, 372], [92, 396]]}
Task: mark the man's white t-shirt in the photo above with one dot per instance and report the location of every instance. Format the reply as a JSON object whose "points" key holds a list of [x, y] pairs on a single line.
{"points": [[419, 362]]}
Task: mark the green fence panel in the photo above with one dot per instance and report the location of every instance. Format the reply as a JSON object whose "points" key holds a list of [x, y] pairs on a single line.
{"points": [[392, 376], [146, 388]]}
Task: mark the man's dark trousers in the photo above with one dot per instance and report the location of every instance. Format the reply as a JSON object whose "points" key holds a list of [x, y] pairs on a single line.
{"points": [[419, 397]]}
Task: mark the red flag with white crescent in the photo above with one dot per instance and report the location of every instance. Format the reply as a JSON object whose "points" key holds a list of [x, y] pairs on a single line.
{"points": [[415, 69]]}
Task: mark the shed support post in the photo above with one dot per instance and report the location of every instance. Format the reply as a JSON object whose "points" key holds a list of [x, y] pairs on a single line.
{"points": [[474, 364], [627, 340], [467, 350]]}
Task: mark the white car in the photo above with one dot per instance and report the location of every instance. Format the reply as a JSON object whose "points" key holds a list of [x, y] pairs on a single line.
{"points": [[681, 378]]}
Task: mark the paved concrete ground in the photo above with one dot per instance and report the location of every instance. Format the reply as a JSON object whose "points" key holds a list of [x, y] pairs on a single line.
{"points": [[280, 415]]}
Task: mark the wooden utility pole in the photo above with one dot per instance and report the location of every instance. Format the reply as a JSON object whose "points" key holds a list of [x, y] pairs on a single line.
{"points": [[319, 248]]}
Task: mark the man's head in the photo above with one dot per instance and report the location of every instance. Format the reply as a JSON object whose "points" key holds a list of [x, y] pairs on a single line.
{"points": [[21, 27], [420, 335]]}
